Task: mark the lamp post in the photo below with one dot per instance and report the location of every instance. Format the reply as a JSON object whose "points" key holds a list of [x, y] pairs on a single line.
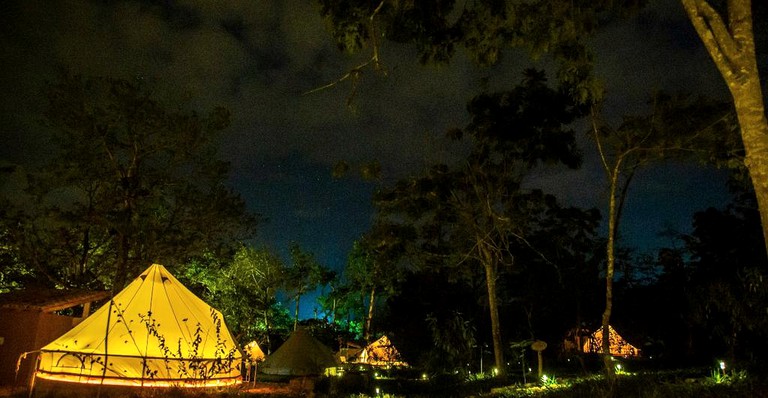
{"points": [[539, 346]]}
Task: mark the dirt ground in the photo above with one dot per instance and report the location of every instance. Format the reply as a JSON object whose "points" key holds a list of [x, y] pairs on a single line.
{"points": [[269, 390]]}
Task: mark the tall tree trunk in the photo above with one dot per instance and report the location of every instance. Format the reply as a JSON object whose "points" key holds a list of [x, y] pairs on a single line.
{"points": [[333, 312], [266, 326], [609, 269], [296, 313], [84, 253], [490, 281], [369, 317], [754, 134], [121, 271], [732, 48]]}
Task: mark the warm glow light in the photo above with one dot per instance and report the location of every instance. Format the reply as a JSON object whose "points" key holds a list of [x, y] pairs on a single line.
{"points": [[140, 382]]}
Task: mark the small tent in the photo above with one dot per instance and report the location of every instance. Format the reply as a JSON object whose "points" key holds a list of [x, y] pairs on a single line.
{"points": [[300, 355], [381, 353], [155, 332], [253, 353], [618, 346], [348, 354]]}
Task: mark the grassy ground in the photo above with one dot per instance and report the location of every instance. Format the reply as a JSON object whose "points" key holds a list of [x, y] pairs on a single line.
{"points": [[644, 385], [639, 386]]}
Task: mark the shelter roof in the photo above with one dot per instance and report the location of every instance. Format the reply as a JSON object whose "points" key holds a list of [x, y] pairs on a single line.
{"points": [[49, 300]]}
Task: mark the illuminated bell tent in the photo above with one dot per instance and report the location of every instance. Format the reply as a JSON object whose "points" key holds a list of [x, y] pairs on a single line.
{"points": [[253, 352], [381, 353], [154, 333], [618, 346]]}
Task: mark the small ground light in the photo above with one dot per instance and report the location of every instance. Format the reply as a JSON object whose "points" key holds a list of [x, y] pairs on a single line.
{"points": [[377, 391], [495, 371], [423, 376], [722, 365], [544, 378]]}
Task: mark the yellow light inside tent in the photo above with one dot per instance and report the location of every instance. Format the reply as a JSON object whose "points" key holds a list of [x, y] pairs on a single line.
{"points": [[154, 333], [139, 383]]}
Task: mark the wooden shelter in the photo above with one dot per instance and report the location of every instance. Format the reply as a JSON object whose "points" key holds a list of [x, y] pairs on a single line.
{"points": [[32, 318]]}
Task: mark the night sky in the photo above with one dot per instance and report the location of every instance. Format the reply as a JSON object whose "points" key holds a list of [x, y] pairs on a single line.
{"points": [[258, 58]]}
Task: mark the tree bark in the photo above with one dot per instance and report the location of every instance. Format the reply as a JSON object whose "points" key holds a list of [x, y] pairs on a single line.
{"points": [[754, 134], [609, 270], [369, 317], [296, 313], [490, 281], [732, 48], [266, 326]]}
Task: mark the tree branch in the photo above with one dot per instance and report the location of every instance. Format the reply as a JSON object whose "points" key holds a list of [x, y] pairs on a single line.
{"points": [[357, 71], [715, 36]]}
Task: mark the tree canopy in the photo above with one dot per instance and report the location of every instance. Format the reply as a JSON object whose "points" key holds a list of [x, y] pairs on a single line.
{"points": [[133, 182]]}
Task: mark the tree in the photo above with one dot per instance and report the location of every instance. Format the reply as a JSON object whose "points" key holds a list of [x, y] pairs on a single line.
{"points": [[676, 127], [304, 274], [470, 216], [555, 286], [133, 182], [253, 279], [732, 47], [371, 270], [438, 28], [727, 274]]}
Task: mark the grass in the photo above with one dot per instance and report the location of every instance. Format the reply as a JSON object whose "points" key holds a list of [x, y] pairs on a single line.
{"points": [[645, 385], [657, 384]]}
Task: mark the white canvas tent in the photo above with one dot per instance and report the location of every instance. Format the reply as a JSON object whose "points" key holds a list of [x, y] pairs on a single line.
{"points": [[253, 352], [155, 332], [381, 353], [617, 345]]}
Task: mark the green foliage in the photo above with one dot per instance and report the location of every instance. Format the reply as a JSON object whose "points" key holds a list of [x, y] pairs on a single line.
{"points": [[649, 385], [372, 271], [454, 341], [12, 272], [304, 274], [721, 375], [244, 289]]}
